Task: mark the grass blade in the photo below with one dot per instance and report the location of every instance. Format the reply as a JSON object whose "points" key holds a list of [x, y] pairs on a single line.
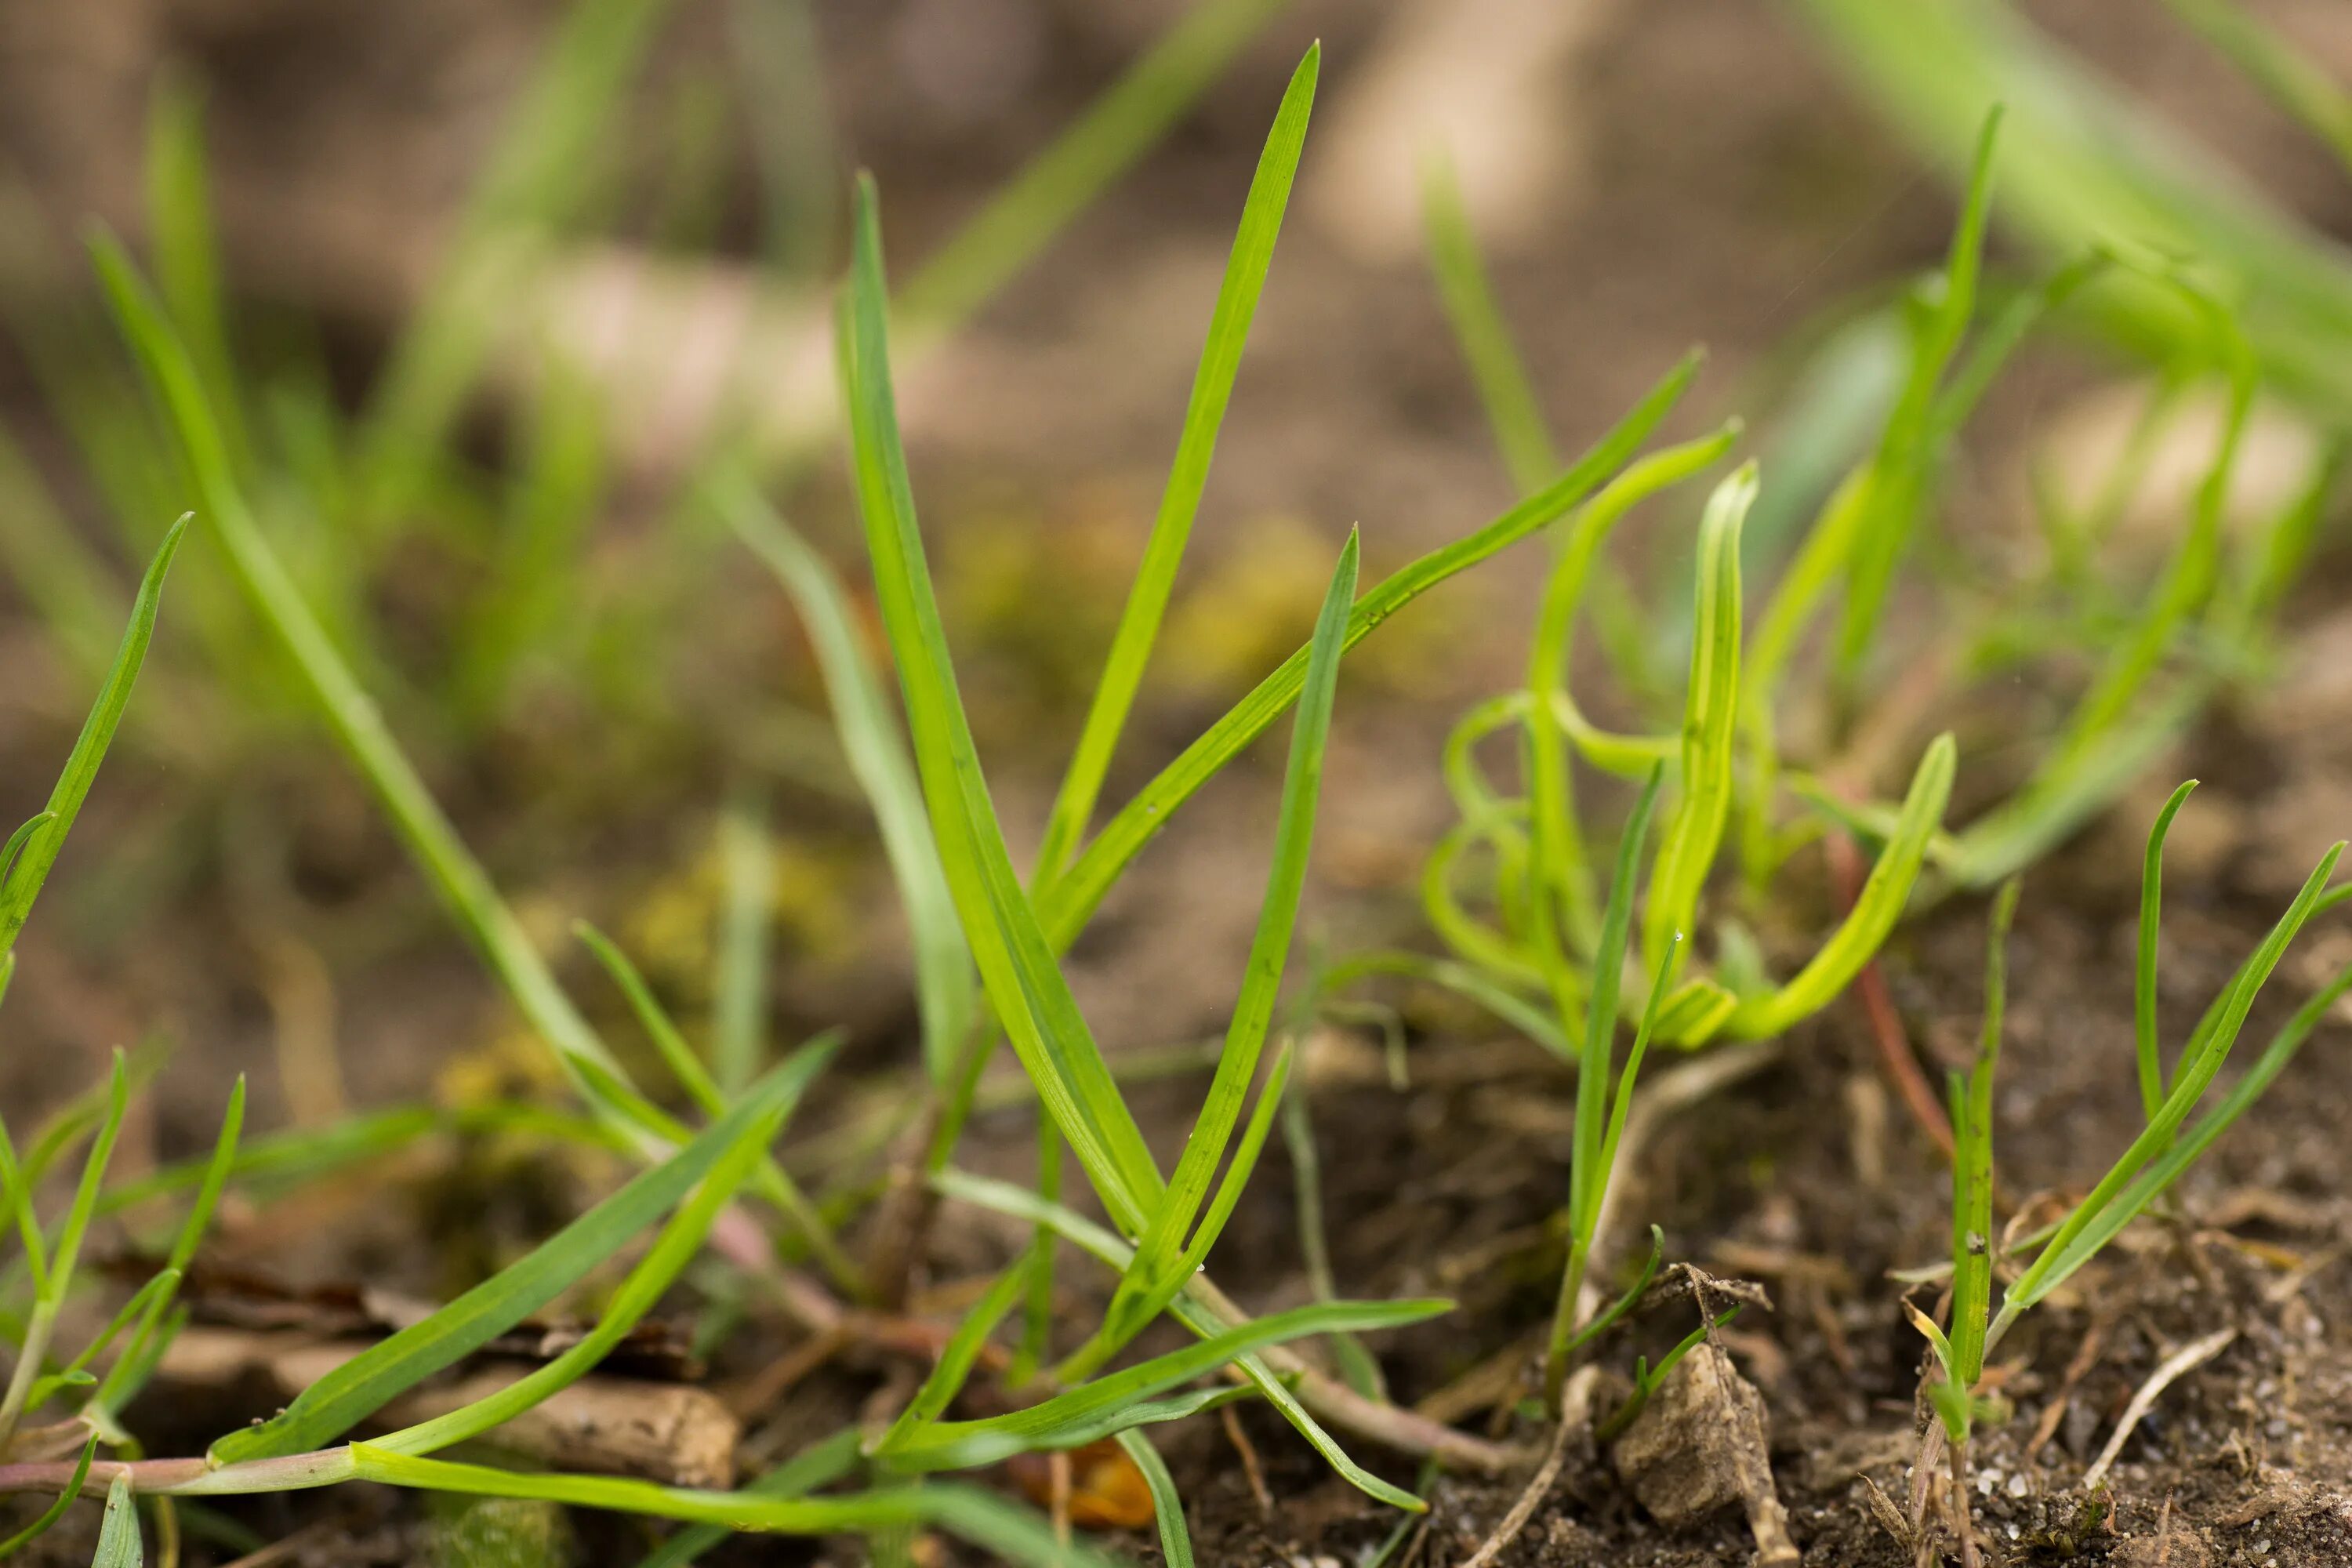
{"points": [[330, 1407], [2151, 901], [119, 1544], [946, 992], [740, 987], [1180, 501], [958, 1356], [66, 1499], [1065, 903], [37, 850], [1031, 999], [1167, 1507]]}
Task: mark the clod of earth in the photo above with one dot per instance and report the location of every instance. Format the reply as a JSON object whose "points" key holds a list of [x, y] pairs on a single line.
{"points": [[1701, 1445]]}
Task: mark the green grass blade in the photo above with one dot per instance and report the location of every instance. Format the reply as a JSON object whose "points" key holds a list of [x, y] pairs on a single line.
{"points": [[352, 716], [1972, 1258], [1084, 159], [1506, 391], [1167, 1506], [1110, 1403], [2287, 76], [958, 1356], [672, 1250], [2151, 901], [675, 1054], [119, 1541], [1013, 1533], [1586, 1180], [1180, 501], [1875, 912], [330, 1406], [946, 992], [186, 250], [36, 852], [1710, 717], [66, 1500], [20, 1192], [116, 1389], [1031, 997], [817, 1466], [1163, 1241], [1065, 904]]}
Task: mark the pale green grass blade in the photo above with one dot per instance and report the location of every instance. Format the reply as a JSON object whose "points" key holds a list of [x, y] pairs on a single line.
{"points": [[1472, 985], [1065, 904], [1157, 1274], [1013, 1533], [187, 251], [1111, 1403], [65, 1249], [958, 1356], [1506, 391], [675, 1054], [75, 1372], [1167, 1506], [1972, 1233], [1180, 501], [672, 1250], [330, 1406], [36, 852], [946, 991], [1875, 912], [350, 714], [64, 581], [2151, 903], [1587, 1181], [1084, 159], [20, 1190], [740, 990], [1710, 717], [1030, 998], [119, 1544]]}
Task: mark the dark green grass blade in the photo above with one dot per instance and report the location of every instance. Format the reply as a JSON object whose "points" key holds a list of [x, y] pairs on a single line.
{"points": [[36, 852], [330, 1407], [1031, 999], [1068, 903], [1180, 501]]}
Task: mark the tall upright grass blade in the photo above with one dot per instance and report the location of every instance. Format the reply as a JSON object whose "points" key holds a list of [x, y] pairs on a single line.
{"points": [[186, 250], [946, 991], [740, 989], [337, 1401], [1031, 999], [1972, 1105], [32, 853], [1180, 501], [2151, 904], [1065, 903], [1086, 158]]}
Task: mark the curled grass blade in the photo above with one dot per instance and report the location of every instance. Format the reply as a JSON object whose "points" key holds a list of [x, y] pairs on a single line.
{"points": [[1710, 712], [1065, 903], [338, 1401], [1180, 501], [34, 851]]}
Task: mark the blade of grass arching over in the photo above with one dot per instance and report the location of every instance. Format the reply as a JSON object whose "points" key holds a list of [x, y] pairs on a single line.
{"points": [[1710, 715], [2287, 76], [672, 1250], [1086, 158], [1068, 901], [350, 714], [1011, 1533], [946, 992], [1156, 1274], [1875, 912], [1561, 895], [36, 852], [2151, 904], [1025, 984], [1180, 501], [1114, 1402], [349, 1394]]}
